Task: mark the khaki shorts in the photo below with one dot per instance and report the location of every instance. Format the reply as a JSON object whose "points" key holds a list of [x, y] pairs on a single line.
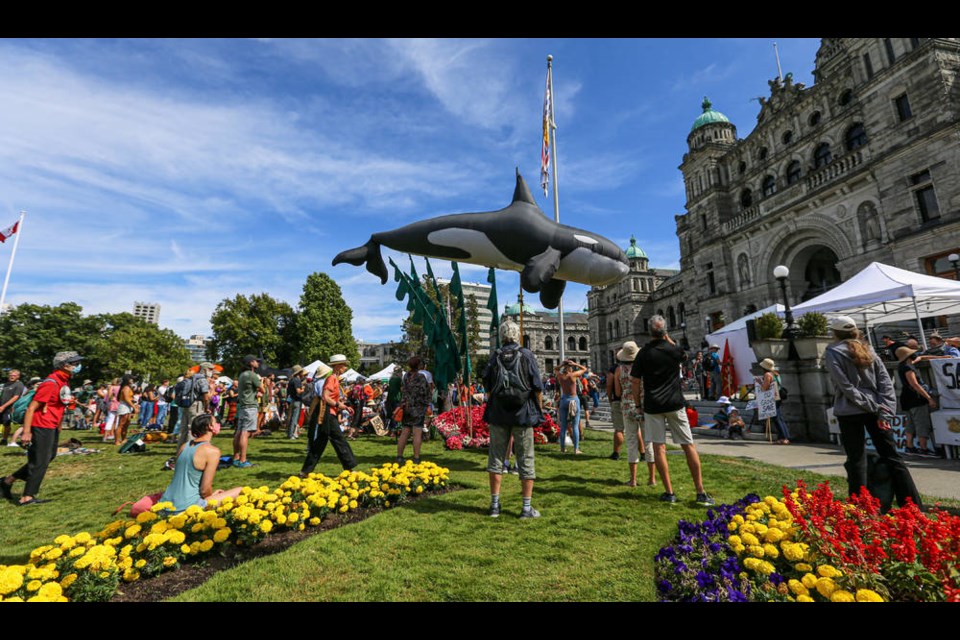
{"points": [[657, 423], [616, 415], [522, 445], [247, 418]]}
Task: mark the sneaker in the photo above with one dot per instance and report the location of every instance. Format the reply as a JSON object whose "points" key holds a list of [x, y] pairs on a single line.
{"points": [[529, 513], [416, 461], [704, 500], [670, 498], [614, 456], [911, 450], [6, 491], [926, 453], [400, 460], [495, 510], [242, 465], [13, 444]]}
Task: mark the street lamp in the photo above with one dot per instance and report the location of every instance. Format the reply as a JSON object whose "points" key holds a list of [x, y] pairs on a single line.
{"points": [[781, 273], [683, 327], [955, 259]]}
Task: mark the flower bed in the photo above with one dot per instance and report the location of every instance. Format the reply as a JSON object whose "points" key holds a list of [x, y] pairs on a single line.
{"points": [[809, 546], [90, 567], [452, 426]]}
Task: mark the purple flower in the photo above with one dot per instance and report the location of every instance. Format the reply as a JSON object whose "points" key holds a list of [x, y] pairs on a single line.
{"points": [[664, 586]]}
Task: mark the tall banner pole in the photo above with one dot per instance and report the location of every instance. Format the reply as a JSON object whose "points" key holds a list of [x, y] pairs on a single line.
{"points": [[556, 201], [16, 242]]}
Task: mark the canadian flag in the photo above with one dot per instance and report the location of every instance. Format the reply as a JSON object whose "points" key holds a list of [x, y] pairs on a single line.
{"points": [[9, 231]]}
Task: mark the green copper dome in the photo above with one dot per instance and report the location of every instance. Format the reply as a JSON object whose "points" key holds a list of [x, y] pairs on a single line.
{"points": [[514, 309], [633, 251], [709, 116]]}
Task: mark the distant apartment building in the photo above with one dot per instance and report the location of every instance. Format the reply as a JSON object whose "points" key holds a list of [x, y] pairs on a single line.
{"points": [[376, 356], [482, 293], [197, 346], [149, 311]]}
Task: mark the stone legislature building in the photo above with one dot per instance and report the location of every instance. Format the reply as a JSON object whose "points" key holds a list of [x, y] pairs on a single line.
{"points": [[541, 334], [862, 166]]}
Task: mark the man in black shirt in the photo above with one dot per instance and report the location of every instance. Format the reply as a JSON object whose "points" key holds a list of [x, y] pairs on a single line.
{"points": [[11, 393], [294, 389], [656, 387]]}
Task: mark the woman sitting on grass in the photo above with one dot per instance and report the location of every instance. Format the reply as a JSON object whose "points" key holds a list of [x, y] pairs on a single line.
{"points": [[196, 465]]}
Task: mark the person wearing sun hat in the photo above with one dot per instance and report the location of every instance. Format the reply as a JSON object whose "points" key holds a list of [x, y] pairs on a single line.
{"points": [[771, 378], [41, 427], [632, 416], [916, 401], [324, 422], [864, 399]]}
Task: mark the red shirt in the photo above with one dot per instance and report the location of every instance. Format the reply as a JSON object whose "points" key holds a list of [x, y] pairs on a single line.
{"points": [[332, 386], [50, 411], [692, 417]]}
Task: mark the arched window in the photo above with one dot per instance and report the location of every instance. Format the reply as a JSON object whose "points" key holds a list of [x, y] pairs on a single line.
{"points": [[769, 186], [793, 172], [548, 343], [787, 137], [742, 167], [856, 136], [583, 344], [681, 311], [814, 119], [571, 344], [846, 98], [763, 153], [822, 156], [616, 328], [671, 317], [746, 198], [610, 335], [526, 341]]}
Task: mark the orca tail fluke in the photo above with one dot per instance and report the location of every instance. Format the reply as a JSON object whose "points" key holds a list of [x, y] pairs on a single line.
{"points": [[551, 293], [369, 254]]}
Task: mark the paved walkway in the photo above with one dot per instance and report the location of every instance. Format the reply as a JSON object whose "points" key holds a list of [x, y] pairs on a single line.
{"points": [[934, 477]]}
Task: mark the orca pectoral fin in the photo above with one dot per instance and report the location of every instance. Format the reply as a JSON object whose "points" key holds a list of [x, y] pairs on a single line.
{"points": [[540, 269], [369, 254], [551, 293]]}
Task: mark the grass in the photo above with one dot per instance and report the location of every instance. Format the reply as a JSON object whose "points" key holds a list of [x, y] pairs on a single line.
{"points": [[594, 542]]}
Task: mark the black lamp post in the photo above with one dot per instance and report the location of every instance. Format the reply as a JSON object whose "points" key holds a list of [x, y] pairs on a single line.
{"points": [[955, 260], [683, 327], [781, 273]]}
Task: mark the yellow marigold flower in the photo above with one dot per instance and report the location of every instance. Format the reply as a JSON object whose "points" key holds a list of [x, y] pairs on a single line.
{"points": [[146, 516], [82, 538], [765, 568], [420, 489], [293, 517], [344, 508], [797, 587], [867, 595], [734, 540], [755, 550], [184, 548], [749, 539], [33, 585], [773, 535], [809, 580], [792, 552], [281, 519], [176, 537], [842, 596], [387, 503], [141, 563], [737, 518], [770, 551], [266, 526], [751, 563], [50, 590], [826, 586], [761, 528], [732, 526], [353, 504], [68, 580], [206, 545], [803, 567], [53, 554], [10, 580], [314, 521], [131, 531], [222, 535], [827, 571], [804, 599], [131, 575]]}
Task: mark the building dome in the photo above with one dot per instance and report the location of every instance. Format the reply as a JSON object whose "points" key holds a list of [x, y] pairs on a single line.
{"points": [[633, 251], [514, 309], [709, 116]]}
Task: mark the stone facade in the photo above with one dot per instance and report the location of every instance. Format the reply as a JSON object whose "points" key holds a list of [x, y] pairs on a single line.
{"points": [[860, 167], [541, 334]]}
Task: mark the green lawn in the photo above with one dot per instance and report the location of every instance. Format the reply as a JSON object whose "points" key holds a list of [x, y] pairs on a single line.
{"points": [[595, 540]]}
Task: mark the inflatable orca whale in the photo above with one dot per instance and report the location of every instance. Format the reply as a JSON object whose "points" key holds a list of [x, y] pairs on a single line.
{"points": [[519, 238]]}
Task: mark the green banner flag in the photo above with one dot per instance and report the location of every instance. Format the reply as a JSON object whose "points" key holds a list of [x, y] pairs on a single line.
{"points": [[456, 289], [494, 307], [436, 288]]}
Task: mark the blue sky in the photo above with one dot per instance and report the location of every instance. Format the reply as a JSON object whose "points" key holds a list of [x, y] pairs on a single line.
{"points": [[186, 171]]}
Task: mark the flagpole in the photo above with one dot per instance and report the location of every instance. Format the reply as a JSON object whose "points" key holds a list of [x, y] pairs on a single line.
{"points": [[556, 202], [16, 241]]}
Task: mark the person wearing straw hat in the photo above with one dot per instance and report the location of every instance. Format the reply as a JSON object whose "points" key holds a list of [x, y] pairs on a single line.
{"points": [[632, 416], [916, 401], [249, 384], [656, 386], [771, 379], [324, 424], [294, 389], [864, 399]]}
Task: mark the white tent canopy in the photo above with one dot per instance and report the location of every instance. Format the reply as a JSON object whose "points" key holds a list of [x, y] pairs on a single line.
{"points": [[735, 335], [312, 368], [881, 293], [386, 372]]}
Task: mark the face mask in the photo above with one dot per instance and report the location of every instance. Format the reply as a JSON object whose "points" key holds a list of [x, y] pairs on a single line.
{"points": [[76, 369]]}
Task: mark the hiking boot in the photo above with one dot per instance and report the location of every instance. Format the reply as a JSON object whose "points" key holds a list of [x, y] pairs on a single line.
{"points": [[704, 500], [529, 513], [670, 498], [495, 510]]}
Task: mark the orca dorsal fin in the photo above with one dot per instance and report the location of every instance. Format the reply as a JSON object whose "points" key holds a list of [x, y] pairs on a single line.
{"points": [[522, 192]]}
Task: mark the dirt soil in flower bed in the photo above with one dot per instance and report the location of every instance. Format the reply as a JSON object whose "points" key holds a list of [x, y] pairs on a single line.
{"points": [[187, 576]]}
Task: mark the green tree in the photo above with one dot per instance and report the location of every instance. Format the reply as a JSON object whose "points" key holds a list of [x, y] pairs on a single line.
{"points": [[31, 335], [142, 348], [256, 324], [324, 321]]}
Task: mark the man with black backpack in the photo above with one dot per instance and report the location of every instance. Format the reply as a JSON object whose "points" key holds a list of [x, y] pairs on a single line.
{"points": [[514, 407]]}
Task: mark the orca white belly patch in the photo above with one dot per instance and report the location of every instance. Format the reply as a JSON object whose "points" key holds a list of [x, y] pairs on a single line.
{"points": [[476, 243]]}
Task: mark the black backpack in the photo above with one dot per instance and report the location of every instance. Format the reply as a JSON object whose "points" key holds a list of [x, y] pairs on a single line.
{"points": [[709, 363], [511, 388], [183, 392], [170, 394]]}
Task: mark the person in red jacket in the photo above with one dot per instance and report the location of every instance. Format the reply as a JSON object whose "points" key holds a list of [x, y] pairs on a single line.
{"points": [[41, 427]]}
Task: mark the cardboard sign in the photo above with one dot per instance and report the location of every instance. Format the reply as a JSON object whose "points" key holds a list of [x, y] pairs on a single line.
{"points": [[946, 375], [946, 427], [766, 401], [897, 424]]}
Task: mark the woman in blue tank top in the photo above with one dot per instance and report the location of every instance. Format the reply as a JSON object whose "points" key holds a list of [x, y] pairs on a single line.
{"points": [[196, 465]]}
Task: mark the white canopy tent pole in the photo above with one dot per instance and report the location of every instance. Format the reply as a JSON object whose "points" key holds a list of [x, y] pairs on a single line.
{"points": [[866, 330], [916, 309]]}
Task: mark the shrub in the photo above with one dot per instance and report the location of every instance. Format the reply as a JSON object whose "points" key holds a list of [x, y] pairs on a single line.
{"points": [[813, 325], [769, 326]]}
